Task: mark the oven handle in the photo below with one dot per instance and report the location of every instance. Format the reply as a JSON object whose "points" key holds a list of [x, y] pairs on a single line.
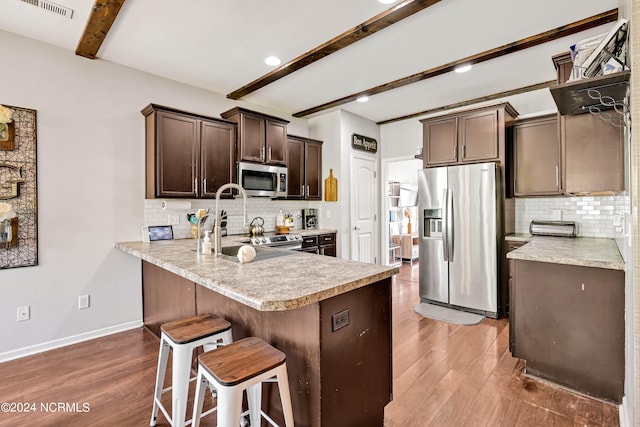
{"points": [[297, 247]]}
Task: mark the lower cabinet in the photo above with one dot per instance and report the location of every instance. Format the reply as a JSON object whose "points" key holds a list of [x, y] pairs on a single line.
{"points": [[323, 244], [310, 244], [568, 325], [509, 308]]}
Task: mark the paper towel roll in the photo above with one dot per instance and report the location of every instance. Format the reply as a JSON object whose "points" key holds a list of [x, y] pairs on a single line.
{"points": [[176, 205]]}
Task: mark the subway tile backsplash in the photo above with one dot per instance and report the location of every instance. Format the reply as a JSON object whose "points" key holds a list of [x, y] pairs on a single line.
{"points": [[602, 216], [256, 206]]}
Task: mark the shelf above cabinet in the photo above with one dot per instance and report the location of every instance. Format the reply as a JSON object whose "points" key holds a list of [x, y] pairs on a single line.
{"points": [[602, 92]]}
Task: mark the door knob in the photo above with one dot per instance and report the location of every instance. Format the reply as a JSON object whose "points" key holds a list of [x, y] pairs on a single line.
{"points": [[357, 227]]}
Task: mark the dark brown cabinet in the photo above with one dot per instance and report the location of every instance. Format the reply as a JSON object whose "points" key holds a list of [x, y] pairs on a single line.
{"points": [[510, 309], [593, 149], [304, 168], [327, 244], [569, 325], [536, 157], [310, 244], [261, 138], [440, 144], [468, 137], [323, 244], [187, 155]]}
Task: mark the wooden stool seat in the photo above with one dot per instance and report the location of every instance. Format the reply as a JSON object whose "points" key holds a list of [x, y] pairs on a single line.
{"points": [[241, 361], [182, 337], [194, 328], [242, 366]]}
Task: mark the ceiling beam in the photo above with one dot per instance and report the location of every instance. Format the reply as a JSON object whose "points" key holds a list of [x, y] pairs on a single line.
{"points": [[102, 16], [357, 33], [556, 33], [473, 101]]}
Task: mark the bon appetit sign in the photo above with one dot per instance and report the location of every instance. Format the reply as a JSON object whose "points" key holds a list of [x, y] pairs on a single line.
{"points": [[364, 143]]}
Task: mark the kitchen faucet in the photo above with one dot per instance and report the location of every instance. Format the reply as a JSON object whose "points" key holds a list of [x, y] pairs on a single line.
{"points": [[217, 232], [218, 229]]}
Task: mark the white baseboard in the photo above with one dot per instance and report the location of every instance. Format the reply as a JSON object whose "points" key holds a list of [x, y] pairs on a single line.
{"points": [[622, 413], [62, 342]]}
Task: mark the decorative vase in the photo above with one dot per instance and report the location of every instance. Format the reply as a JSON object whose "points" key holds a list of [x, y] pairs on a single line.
{"points": [[409, 228]]}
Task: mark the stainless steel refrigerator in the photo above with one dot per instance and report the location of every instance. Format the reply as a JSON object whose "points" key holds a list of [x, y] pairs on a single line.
{"points": [[460, 233]]}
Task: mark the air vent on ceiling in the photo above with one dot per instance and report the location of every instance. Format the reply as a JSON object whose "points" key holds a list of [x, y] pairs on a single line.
{"points": [[51, 7]]}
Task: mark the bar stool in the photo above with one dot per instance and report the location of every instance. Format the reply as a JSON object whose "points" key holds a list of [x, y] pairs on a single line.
{"points": [[183, 336], [240, 366]]}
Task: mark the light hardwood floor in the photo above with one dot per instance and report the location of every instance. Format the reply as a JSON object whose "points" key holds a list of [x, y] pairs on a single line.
{"points": [[444, 375]]}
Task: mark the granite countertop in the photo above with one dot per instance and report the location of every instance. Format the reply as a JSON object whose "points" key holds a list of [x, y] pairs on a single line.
{"points": [[274, 284], [581, 251], [518, 237]]}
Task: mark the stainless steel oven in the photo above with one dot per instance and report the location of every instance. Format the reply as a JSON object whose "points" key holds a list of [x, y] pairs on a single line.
{"points": [[281, 241], [262, 180]]}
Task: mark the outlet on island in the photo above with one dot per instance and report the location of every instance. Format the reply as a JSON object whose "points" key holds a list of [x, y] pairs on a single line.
{"points": [[339, 320]]}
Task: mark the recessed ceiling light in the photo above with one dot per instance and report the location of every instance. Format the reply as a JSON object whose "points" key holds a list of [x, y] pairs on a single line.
{"points": [[272, 60], [363, 99], [387, 1], [462, 68]]}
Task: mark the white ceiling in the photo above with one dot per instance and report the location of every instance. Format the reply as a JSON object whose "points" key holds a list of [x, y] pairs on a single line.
{"points": [[220, 45]]}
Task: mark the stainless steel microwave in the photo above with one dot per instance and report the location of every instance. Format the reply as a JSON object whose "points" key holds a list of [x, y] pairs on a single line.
{"points": [[262, 180]]}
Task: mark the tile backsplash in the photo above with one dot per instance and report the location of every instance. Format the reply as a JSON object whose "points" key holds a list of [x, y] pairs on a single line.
{"points": [[602, 216], [256, 206]]}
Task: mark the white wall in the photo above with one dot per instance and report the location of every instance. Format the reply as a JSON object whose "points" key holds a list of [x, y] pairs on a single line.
{"points": [[335, 129], [90, 189]]}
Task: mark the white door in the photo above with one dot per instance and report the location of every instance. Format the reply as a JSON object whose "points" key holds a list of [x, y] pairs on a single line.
{"points": [[363, 209]]}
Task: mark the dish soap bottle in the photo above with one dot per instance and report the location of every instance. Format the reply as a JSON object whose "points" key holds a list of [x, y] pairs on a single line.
{"points": [[206, 244]]}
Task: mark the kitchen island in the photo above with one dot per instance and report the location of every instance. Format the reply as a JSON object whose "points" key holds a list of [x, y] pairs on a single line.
{"points": [[331, 317], [567, 313]]}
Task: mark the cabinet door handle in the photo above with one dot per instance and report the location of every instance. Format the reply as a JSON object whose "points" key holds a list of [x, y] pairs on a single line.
{"points": [[269, 156], [455, 149], [557, 177], [307, 191], [464, 151], [194, 187], [204, 185], [302, 190], [262, 153]]}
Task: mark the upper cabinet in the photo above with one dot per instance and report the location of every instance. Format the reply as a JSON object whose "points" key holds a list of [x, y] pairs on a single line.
{"points": [[187, 155], [593, 148], [304, 168], [261, 138], [536, 157], [471, 136]]}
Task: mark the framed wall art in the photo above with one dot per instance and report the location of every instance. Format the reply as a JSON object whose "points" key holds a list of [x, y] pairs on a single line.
{"points": [[18, 191]]}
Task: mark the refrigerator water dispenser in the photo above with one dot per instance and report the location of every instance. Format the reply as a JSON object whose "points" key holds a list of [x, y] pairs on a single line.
{"points": [[432, 219]]}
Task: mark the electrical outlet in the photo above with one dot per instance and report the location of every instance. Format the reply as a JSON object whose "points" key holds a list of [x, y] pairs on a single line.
{"points": [[339, 320], [328, 213], [23, 313], [83, 302], [173, 219]]}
